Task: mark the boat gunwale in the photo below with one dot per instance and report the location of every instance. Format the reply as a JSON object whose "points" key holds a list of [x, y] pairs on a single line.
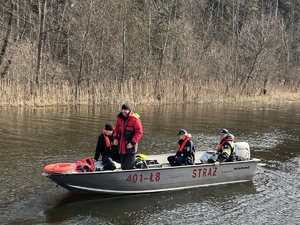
{"points": [[169, 167]]}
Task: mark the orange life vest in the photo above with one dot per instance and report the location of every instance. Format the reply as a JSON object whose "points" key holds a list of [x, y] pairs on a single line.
{"points": [[181, 147], [106, 138], [227, 139]]}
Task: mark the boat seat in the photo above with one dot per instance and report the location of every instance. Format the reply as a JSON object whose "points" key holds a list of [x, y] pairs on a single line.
{"points": [[154, 166]]}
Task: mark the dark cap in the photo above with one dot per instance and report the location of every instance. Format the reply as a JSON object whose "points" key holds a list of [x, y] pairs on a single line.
{"points": [[182, 131], [224, 131], [126, 107], [109, 126]]}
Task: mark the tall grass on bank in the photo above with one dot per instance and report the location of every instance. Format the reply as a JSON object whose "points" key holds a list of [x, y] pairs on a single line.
{"points": [[135, 92]]}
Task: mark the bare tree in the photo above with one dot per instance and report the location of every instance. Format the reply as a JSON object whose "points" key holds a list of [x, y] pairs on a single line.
{"points": [[42, 18]]}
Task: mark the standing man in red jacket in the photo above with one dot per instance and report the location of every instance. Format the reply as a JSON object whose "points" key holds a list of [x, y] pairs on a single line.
{"points": [[128, 132]]}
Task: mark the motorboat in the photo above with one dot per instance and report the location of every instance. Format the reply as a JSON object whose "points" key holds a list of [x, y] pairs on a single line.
{"points": [[156, 175]]}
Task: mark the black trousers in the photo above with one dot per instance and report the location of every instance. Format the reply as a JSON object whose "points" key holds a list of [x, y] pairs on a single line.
{"points": [[127, 161], [108, 162]]}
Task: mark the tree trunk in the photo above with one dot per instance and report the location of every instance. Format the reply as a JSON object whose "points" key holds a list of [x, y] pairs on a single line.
{"points": [[8, 30], [43, 7]]}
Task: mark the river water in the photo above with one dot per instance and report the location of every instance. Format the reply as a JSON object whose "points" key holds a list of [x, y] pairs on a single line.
{"points": [[33, 138]]}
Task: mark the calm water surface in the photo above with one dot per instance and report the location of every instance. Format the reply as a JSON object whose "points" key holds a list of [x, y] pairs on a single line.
{"points": [[33, 138]]}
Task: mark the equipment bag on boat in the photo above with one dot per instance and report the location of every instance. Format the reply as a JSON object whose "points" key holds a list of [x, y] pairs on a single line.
{"points": [[85, 165]]}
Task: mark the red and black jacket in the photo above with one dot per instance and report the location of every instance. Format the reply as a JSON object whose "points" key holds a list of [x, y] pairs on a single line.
{"points": [[128, 130]]}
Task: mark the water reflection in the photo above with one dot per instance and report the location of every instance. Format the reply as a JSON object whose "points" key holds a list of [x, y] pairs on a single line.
{"points": [[141, 208]]}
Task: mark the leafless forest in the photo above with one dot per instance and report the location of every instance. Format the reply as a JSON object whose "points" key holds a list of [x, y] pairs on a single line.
{"points": [[59, 52]]}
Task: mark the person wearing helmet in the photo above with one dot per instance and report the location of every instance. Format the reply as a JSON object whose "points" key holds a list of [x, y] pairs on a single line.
{"points": [[226, 150], [185, 154]]}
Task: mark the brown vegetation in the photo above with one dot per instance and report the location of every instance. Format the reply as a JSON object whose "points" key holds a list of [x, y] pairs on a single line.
{"points": [[60, 52]]}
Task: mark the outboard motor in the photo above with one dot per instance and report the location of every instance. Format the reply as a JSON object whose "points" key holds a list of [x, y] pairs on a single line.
{"points": [[242, 150]]}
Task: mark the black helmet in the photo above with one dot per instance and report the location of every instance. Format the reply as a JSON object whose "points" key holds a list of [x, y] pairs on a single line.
{"points": [[224, 131], [182, 131]]}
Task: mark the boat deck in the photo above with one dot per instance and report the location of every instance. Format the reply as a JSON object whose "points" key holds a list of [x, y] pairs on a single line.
{"points": [[161, 159]]}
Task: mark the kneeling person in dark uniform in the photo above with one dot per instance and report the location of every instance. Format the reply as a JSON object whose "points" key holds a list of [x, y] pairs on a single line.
{"points": [[107, 149], [186, 152]]}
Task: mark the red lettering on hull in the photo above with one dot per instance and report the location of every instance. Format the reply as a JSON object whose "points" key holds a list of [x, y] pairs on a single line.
{"points": [[204, 172]]}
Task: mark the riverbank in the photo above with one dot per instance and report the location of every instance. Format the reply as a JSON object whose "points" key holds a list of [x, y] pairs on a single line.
{"points": [[56, 101]]}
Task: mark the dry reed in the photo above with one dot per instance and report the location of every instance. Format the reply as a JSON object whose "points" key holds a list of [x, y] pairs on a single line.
{"points": [[132, 91]]}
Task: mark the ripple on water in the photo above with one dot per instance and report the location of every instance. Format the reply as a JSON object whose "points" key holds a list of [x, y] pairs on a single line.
{"points": [[29, 142]]}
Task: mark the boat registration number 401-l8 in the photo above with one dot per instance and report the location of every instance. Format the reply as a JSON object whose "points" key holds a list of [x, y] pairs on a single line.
{"points": [[153, 177]]}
